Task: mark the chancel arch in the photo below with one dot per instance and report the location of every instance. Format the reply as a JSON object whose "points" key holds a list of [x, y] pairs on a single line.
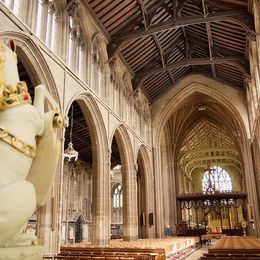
{"points": [[198, 103], [91, 142], [122, 154]]}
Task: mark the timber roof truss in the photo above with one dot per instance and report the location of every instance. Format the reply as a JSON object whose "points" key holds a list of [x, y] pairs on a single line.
{"points": [[164, 40]]}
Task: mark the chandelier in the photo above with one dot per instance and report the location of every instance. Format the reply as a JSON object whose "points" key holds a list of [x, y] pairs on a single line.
{"points": [[70, 152]]}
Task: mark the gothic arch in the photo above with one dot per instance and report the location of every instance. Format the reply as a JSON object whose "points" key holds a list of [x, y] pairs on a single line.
{"points": [[34, 61], [93, 115], [176, 100], [129, 183], [124, 142], [145, 196], [101, 190], [98, 41]]}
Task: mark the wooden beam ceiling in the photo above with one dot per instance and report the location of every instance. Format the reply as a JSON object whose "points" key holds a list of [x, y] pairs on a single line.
{"points": [[173, 38], [155, 38], [120, 39], [210, 40], [232, 60]]}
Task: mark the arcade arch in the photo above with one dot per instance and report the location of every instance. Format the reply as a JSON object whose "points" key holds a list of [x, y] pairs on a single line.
{"points": [[145, 196], [92, 146], [122, 154]]}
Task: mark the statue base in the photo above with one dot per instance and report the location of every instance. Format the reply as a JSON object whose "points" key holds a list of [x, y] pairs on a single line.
{"points": [[23, 252]]}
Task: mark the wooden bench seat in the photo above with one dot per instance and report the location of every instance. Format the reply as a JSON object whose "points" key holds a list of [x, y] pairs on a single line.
{"points": [[110, 253]]}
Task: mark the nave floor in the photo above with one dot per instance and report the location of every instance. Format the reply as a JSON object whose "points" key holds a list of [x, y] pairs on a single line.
{"points": [[197, 253]]}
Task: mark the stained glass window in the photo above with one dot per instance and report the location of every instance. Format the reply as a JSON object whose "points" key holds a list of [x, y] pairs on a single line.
{"points": [[216, 179]]}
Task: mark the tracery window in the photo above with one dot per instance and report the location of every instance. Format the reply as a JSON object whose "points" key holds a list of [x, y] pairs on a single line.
{"points": [[216, 179], [117, 197]]}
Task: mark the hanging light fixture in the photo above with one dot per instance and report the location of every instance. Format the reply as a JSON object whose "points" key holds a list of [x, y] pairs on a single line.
{"points": [[70, 152]]}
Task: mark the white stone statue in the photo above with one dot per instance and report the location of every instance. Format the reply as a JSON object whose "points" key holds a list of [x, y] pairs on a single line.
{"points": [[29, 149]]}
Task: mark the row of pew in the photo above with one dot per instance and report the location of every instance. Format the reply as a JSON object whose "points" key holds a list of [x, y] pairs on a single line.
{"points": [[234, 248], [228, 256], [109, 253]]}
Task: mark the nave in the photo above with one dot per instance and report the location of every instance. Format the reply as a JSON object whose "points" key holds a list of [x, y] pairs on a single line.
{"points": [[161, 100]]}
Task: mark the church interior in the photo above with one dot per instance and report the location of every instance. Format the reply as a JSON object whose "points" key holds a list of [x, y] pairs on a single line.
{"points": [[161, 100]]}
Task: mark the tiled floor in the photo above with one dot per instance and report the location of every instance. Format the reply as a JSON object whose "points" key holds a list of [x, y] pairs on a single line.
{"points": [[198, 253]]}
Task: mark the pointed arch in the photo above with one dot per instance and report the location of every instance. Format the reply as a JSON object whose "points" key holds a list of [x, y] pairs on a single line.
{"points": [[221, 93], [101, 189], [128, 182], [145, 191], [184, 91]]}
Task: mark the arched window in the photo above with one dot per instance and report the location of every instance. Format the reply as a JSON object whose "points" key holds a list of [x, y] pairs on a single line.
{"points": [[117, 197], [216, 179]]}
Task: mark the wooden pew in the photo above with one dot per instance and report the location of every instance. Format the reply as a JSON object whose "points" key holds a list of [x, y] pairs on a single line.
{"points": [[111, 253], [234, 248]]}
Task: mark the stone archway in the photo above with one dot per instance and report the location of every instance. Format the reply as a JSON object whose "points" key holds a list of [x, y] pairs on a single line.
{"points": [[130, 227], [100, 169], [145, 196], [219, 92]]}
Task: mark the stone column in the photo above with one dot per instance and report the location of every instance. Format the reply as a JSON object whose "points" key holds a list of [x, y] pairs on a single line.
{"points": [[251, 185], [173, 193], [158, 191], [101, 199], [74, 34], [82, 66], [23, 9], [50, 19], [130, 212], [31, 16], [249, 106], [49, 216]]}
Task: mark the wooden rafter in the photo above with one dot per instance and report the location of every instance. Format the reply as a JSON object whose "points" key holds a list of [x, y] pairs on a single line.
{"points": [[210, 40], [138, 20], [215, 49], [169, 24], [155, 38], [160, 49], [157, 43], [144, 12], [119, 40], [198, 61], [155, 61], [232, 60], [186, 41]]}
